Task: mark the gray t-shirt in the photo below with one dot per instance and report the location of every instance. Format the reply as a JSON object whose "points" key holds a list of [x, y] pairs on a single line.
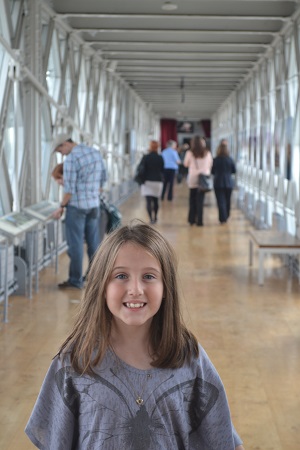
{"points": [[182, 408]]}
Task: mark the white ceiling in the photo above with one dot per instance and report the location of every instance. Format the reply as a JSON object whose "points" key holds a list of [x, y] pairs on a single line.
{"points": [[184, 62]]}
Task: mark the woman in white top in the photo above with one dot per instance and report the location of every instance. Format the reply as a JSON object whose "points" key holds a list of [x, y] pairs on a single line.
{"points": [[197, 160]]}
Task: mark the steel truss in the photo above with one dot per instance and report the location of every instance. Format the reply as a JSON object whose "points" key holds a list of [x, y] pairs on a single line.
{"points": [[51, 81]]}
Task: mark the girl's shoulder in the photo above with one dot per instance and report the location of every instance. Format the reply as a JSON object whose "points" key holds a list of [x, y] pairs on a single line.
{"points": [[204, 367]]}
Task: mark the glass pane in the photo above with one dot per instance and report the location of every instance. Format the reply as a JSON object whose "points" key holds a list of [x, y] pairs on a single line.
{"points": [[46, 145], [53, 75], [44, 33], [288, 147], [20, 137], [1, 28], [9, 142], [3, 72], [63, 45], [1, 208], [68, 86], [293, 88], [14, 10], [82, 94]]}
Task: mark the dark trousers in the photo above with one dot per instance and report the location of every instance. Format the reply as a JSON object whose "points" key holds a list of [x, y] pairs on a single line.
{"points": [[223, 196], [196, 202], [152, 207], [169, 175]]}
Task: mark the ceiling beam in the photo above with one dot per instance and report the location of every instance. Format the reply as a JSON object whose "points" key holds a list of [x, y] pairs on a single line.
{"points": [[175, 52], [176, 30], [182, 44], [169, 16], [202, 63]]}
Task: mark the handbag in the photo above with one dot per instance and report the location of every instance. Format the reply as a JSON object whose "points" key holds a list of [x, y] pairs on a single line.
{"points": [[112, 218], [205, 183], [140, 173]]}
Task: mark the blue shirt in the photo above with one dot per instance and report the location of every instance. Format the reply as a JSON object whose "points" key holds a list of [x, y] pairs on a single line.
{"points": [[84, 175], [170, 157]]}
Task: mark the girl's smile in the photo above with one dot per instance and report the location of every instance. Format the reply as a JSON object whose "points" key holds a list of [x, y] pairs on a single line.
{"points": [[135, 289]]}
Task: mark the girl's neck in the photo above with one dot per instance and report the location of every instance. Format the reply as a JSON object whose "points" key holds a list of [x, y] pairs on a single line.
{"points": [[132, 347]]}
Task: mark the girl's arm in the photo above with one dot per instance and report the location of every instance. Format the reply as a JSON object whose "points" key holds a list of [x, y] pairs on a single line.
{"points": [[239, 447]]}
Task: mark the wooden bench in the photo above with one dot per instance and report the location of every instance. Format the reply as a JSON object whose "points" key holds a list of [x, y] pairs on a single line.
{"points": [[272, 242]]}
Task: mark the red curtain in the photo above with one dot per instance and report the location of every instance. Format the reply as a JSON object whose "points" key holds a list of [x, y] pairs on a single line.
{"points": [[168, 130], [206, 127]]}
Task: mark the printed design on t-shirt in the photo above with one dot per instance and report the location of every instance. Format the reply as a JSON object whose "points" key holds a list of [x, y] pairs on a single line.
{"points": [[106, 426]]}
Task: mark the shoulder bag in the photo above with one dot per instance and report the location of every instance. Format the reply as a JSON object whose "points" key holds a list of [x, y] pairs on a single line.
{"points": [[140, 172], [205, 182]]}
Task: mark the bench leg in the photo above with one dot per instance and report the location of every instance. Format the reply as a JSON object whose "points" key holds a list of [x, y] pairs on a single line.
{"points": [[261, 256], [251, 253]]}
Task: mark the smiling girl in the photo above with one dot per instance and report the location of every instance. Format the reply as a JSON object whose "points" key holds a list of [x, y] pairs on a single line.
{"points": [[131, 375]]}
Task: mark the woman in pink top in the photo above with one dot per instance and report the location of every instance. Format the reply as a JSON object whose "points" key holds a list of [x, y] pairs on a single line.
{"points": [[197, 160]]}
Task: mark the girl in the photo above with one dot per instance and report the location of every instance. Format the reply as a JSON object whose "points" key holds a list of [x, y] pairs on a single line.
{"points": [[223, 168], [198, 160], [153, 185], [130, 375]]}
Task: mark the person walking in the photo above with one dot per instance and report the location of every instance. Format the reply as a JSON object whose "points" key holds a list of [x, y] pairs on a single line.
{"points": [[151, 189], [197, 160], [131, 375], [223, 168], [182, 171], [83, 176], [171, 162]]}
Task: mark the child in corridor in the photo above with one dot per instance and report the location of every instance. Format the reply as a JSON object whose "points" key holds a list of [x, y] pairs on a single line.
{"points": [[131, 375]]}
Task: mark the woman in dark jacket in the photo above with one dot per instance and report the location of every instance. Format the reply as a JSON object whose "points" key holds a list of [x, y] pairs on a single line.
{"points": [[222, 169], [153, 175]]}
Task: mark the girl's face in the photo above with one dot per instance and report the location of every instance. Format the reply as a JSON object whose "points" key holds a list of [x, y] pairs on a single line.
{"points": [[135, 288]]}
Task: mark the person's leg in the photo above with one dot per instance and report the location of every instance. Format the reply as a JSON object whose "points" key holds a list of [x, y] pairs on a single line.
{"points": [[221, 202], [149, 206], [200, 203], [171, 184], [75, 223], [165, 184], [92, 235], [91, 231], [192, 206], [228, 193], [155, 207]]}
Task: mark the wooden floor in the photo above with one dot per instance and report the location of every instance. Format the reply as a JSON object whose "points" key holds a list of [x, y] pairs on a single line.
{"points": [[251, 333]]}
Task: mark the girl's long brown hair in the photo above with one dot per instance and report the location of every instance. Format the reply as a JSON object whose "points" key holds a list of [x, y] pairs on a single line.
{"points": [[172, 343], [223, 149], [198, 147]]}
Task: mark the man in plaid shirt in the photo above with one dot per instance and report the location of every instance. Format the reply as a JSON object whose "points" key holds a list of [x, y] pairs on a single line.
{"points": [[84, 174]]}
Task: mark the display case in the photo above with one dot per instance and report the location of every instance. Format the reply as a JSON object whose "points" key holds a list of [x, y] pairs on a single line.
{"points": [[21, 230], [51, 239], [7, 279]]}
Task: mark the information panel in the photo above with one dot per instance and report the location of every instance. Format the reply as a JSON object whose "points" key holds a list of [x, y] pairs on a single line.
{"points": [[43, 210], [14, 224]]}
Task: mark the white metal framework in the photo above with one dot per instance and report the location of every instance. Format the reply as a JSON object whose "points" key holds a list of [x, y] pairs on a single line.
{"points": [[105, 71], [51, 81], [261, 118]]}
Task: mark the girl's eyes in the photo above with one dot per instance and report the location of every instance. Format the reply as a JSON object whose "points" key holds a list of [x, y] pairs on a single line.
{"points": [[123, 276], [148, 276]]}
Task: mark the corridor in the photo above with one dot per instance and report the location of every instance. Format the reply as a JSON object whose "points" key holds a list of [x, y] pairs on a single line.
{"points": [[251, 333]]}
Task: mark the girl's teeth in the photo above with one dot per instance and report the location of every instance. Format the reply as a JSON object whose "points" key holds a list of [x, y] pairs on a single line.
{"points": [[134, 305]]}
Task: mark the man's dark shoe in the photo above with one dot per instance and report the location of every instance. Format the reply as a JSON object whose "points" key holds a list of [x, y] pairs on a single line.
{"points": [[67, 285]]}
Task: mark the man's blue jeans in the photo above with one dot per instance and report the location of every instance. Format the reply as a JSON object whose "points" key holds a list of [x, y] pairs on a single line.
{"points": [[81, 225]]}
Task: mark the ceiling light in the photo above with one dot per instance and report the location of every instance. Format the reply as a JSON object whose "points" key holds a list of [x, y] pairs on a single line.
{"points": [[169, 6]]}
